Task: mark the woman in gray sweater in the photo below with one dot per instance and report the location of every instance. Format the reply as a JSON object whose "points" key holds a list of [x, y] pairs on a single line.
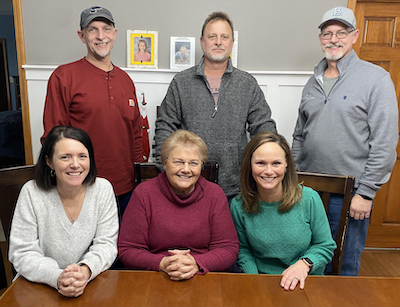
{"points": [[65, 225]]}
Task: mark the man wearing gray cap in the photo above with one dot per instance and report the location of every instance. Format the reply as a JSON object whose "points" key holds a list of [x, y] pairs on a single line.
{"points": [[100, 98], [347, 125]]}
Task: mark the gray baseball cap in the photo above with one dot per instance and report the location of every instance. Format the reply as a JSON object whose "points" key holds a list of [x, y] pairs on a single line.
{"points": [[94, 12], [342, 14]]}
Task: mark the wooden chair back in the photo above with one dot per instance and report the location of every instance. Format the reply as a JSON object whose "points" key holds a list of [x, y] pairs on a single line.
{"points": [[146, 171], [328, 184], [11, 181]]}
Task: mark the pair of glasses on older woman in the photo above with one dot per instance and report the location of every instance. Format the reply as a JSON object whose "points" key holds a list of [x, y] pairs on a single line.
{"points": [[194, 164]]}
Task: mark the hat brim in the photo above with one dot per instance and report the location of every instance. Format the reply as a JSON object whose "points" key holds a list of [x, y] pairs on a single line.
{"points": [[337, 19], [91, 18]]}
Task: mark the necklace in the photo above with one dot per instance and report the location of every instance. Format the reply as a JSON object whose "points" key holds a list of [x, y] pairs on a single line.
{"points": [[69, 215], [75, 203]]}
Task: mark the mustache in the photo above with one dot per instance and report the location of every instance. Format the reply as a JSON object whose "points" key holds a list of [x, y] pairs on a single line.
{"points": [[216, 47], [330, 45]]}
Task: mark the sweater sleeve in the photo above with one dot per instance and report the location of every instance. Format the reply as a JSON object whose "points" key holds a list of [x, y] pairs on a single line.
{"points": [[259, 116], [169, 118], [25, 253], [56, 107], [103, 250], [298, 139], [133, 240], [383, 126], [224, 245], [246, 260], [322, 245]]}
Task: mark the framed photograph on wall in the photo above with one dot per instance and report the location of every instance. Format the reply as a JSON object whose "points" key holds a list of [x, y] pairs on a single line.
{"points": [[142, 48], [234, 53], [182, 53]]}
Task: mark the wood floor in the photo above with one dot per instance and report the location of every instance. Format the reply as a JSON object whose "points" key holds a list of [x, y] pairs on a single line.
{"points": [[384, 263]]}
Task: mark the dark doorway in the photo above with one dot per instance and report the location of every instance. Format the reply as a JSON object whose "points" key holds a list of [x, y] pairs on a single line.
{"points": [[5, 101]]}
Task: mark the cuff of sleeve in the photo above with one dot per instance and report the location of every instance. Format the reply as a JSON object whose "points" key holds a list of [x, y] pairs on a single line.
{"points": [[91, 271], [366, 191], [53, 279], [157, 263], [249, 268], [202, 270]]}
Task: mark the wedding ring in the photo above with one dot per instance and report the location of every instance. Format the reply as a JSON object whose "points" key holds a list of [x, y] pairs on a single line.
{"points": [[296, 278]]}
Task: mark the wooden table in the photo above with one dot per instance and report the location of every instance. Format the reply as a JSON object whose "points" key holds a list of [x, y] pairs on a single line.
{"points": [[138, 288]]}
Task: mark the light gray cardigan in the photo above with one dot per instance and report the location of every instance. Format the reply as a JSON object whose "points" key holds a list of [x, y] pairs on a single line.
{"points": [[43, 241]]}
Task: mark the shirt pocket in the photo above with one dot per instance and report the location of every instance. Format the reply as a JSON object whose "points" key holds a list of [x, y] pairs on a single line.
{"points": [[129, 107]]}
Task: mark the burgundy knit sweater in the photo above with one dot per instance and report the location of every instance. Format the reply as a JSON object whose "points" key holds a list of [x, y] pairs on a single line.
{"points": [[157, 220]]}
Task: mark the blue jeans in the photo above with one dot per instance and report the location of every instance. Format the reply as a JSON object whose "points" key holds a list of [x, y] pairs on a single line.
{"points": [[355, 239]]}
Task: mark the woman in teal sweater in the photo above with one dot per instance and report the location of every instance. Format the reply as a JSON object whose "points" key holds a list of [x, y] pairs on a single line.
{"points": [[282, 226]]}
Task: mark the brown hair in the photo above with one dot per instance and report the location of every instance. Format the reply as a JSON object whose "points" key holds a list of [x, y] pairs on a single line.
{"points": [[184, 138], [44, 180], [217, 16], [291, 189]]}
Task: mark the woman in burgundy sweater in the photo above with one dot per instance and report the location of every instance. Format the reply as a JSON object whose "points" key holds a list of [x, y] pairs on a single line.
{"points": [[179, 222]]}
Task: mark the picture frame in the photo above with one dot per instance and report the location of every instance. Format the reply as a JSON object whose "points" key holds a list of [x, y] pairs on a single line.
{"points": [[142, 49], [182, 52], [235, 49]]}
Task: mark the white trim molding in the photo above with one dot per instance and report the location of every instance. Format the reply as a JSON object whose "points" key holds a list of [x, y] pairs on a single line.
{"points": [[282, 90]]}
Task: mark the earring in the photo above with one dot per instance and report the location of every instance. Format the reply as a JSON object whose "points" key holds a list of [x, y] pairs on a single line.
{"points": [[52, 173]]}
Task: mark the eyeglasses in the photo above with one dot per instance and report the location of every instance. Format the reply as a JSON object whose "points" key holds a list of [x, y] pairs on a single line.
{"points": [[339, 34], [180, 164]]}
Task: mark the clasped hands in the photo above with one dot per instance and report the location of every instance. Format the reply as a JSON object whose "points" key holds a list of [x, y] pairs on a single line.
{"points": [[180, 265], [73, 280]]}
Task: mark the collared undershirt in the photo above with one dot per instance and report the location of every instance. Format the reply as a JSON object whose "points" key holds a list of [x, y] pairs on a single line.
{"points": [[328, 84]]}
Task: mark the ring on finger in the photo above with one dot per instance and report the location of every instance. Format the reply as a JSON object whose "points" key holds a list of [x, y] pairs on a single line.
{"points": [[296, 278]]}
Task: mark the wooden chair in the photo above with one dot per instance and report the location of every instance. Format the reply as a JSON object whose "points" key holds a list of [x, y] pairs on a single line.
{"points": [[326, 185], [11, 181], [146, 171]]}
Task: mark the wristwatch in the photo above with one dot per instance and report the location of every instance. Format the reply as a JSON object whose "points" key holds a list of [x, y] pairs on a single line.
{"points": [[308, 262]]}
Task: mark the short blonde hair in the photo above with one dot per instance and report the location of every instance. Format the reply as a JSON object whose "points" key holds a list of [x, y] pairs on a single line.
{"points": [[184, 138]]}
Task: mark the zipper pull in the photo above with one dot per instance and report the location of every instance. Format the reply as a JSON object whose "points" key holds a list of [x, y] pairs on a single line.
{"points": [[215, 111]]}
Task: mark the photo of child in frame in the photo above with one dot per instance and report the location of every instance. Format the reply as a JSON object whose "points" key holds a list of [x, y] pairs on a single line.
{"points": [[182, 53], [142, 48]]}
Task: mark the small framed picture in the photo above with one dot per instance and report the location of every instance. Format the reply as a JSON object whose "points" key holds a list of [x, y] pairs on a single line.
{"points": [[182, 52], [234, 53], [142, 48]]}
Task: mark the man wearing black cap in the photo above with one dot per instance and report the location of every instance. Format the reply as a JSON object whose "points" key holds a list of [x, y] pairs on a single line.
{"points": [[347, 125], [100, 98]]}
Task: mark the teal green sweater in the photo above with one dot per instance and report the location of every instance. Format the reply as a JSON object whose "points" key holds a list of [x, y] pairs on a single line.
{"points": [[271, 241]]}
